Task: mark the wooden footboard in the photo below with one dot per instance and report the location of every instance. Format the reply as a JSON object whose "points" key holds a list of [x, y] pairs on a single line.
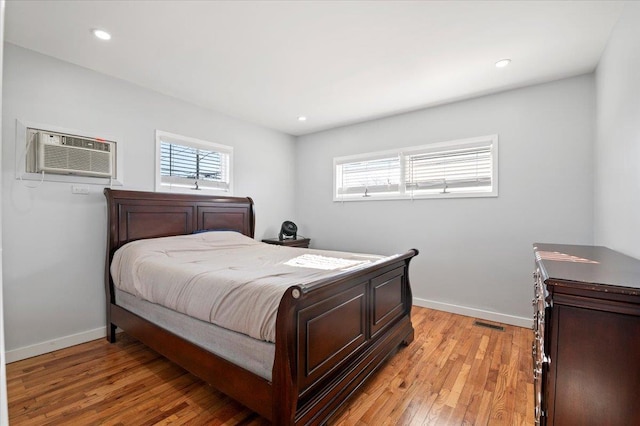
{"points": [[330, 336]]}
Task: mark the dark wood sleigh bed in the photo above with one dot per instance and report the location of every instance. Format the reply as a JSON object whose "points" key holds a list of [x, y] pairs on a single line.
{"points": [[329, 337]]}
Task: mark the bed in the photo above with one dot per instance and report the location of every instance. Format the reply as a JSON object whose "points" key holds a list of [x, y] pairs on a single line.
{"points": [[330, 334]]}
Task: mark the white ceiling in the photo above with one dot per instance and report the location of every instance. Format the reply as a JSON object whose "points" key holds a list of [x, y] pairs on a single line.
{"points": [[335, 62]]}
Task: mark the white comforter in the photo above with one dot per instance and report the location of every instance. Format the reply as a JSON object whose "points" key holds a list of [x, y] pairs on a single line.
{"points": [[225, 278]]}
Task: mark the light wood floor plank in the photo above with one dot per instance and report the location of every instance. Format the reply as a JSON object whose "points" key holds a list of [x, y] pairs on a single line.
{"points": [[454, 373]]}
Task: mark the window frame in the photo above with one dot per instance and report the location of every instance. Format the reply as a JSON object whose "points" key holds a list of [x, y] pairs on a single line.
{"points": [[167, 137], [406, 194]]}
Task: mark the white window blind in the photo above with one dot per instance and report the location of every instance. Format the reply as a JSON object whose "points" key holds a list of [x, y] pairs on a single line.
{"points": [[455, 170], [369, 177], [190, 164], [462, 168]]}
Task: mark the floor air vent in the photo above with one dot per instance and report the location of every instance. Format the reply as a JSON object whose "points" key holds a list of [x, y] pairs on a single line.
{"points": [[487, 325]]}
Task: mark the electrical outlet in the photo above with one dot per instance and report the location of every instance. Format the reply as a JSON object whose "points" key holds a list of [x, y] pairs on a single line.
{"points": [[80, 189]]}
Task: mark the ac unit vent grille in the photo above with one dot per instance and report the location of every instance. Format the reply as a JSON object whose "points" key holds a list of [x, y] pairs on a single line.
{"points": [[101, 162]]}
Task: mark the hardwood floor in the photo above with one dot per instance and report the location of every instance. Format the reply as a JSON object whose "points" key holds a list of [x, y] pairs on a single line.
{"points": [[454, 373]]}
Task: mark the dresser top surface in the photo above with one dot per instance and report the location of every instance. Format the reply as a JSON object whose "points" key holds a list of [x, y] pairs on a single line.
{"points": [[594, 266]]}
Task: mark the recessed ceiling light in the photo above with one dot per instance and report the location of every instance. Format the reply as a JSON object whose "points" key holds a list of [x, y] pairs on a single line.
{"points": [[302, 118], [503, 63], [101, 34]]}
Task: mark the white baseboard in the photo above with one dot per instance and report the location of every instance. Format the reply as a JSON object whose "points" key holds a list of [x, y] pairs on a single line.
{"points": [[55, 344], [474, 312]]}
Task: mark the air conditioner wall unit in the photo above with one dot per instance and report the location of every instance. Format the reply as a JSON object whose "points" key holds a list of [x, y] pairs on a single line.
{"points": [[67, 154]]}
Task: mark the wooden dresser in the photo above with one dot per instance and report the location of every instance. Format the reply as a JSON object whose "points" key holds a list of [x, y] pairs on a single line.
{"points": [[586, 350]]}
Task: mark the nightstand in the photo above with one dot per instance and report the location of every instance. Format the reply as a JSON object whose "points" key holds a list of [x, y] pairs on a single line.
{"points": [[298, 242]]}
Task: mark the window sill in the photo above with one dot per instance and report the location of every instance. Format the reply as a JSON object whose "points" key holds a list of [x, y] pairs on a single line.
{"points": [[191, 190], [438, 196]]}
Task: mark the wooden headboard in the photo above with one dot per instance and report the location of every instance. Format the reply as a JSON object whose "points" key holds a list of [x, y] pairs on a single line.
{"points": [[136, 215]]}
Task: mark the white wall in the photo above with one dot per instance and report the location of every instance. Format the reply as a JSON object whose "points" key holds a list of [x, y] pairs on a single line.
{"points": [[475, 253], [617, 147], [55, 241]]}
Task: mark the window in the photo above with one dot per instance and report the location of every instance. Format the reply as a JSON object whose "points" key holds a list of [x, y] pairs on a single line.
{"points": [[462, 168], [184, 164], [363, 178]]}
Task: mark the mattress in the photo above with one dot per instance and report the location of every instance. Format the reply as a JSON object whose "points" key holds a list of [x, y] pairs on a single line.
{"points": [[224, 278]]}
